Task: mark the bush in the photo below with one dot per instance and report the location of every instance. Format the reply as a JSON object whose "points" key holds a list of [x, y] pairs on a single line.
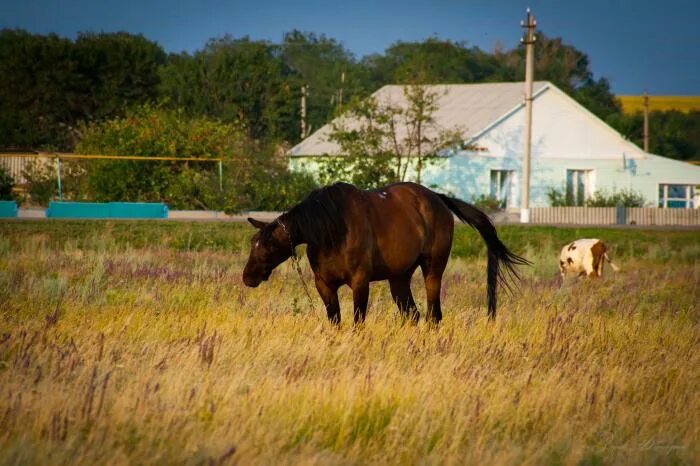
{"points": [[154, 131], [254, 176], [6, 184], [268, 185], [281, 191], [624, 198], [601, 198], [41, 182], [488, 204]]}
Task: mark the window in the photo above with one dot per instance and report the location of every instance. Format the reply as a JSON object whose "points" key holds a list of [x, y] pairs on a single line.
{"points": [[501, 187], [578, 187], [676, 196]]}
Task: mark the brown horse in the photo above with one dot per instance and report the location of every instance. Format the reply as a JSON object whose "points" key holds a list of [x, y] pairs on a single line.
{"points": [[354, 237]]}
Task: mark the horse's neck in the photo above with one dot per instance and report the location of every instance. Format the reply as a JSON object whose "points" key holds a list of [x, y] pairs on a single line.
{"points": [[295, 233]]}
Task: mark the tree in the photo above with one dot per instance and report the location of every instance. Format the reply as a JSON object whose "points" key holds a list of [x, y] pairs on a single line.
{"points": [[37, 95], [569, 69], [431, 61], [329, 71], [116, 70], [49, 83], [253, 176], [154, 131], [673, 134], [382, 144], [238, 81]]}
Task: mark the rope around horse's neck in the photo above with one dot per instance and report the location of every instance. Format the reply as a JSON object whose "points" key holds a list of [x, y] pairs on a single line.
{"points": [[297, 266]]}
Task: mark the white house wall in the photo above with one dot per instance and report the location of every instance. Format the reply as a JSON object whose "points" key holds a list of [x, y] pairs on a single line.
{"points": [[468, 175], [560, 129], [565, 136]]}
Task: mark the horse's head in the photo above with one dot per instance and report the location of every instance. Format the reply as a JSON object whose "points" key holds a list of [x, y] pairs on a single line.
{"points": [[269, 247]]}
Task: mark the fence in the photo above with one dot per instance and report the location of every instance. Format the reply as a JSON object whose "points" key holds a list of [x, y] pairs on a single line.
{"points": [[16, 164], [106, 210], [615, 216]]}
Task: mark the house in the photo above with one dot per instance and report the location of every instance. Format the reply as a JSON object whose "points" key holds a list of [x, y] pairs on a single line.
{"points": [[572, 149]]}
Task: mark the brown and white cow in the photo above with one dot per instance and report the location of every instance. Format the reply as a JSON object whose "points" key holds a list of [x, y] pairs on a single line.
{"points": [[584, 257]]}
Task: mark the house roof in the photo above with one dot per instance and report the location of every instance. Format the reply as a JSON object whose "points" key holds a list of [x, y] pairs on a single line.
{"points": [[467, 108]]}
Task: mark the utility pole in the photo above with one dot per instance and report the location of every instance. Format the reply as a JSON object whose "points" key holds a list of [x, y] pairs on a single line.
{"points": [[529, 42], [646, 121], [303, 111]]}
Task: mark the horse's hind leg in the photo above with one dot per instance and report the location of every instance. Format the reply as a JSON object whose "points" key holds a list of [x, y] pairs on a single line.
{"points": [[401, 293], [433, 268], [360, 296]]}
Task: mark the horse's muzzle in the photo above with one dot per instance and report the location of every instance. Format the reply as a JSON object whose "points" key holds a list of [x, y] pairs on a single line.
{"points": [[250, 281], [254, 281]]}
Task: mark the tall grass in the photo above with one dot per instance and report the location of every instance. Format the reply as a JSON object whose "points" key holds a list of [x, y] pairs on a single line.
{"points": [[123, 345]]}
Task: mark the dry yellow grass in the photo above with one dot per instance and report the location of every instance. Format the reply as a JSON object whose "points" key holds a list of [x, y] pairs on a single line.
{"points": [[116, 355], [682, 103]]}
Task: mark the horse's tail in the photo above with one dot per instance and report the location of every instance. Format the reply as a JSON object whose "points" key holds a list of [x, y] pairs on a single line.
{"points": [[501, 262]]}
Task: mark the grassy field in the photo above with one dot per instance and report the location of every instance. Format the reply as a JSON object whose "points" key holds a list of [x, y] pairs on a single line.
{"points": [[136, 343]]}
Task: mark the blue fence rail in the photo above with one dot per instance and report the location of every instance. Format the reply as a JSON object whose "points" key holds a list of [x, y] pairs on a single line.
{"points": [[107, 210], [8, 209]]}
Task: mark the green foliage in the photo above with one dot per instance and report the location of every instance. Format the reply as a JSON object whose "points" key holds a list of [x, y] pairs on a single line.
{"points": [[597, 97], [488, 204], [330, 72], [434, 61], [374, 150], [36, 94], [625, 198], [671, 133], [238, 81], [116, 70], [365, 172], [6, 184], [560, 197], [49, 83], [154, 131], [366, 159], [274, 189], [41, 182], [600, 198]]}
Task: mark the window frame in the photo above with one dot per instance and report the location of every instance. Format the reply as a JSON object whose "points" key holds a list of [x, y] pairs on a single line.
{"points": [[587, 185], [688, 199], [509, 186]]}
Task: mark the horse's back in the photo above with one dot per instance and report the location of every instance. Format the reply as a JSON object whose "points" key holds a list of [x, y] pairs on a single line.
{"points": [[407, 222]]}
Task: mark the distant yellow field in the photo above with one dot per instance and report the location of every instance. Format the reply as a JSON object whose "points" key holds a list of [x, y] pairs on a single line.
{"points": [[682, 103]]}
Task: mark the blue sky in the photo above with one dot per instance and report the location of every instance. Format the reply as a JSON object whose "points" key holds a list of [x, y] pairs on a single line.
{"points": [[637, 45]]}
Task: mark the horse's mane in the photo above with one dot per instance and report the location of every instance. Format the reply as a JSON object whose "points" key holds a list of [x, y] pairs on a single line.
{"points": [[319, 219]]}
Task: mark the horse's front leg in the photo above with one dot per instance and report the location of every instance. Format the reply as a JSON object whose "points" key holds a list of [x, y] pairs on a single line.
{"points": [[329, 295], [360, 296]]}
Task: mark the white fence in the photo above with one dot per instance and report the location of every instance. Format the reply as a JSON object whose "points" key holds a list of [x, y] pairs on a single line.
{"points": [[615, 216]]}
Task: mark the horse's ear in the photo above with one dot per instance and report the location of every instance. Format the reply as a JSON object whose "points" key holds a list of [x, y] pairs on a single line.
{"points": [[257, 223]]}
